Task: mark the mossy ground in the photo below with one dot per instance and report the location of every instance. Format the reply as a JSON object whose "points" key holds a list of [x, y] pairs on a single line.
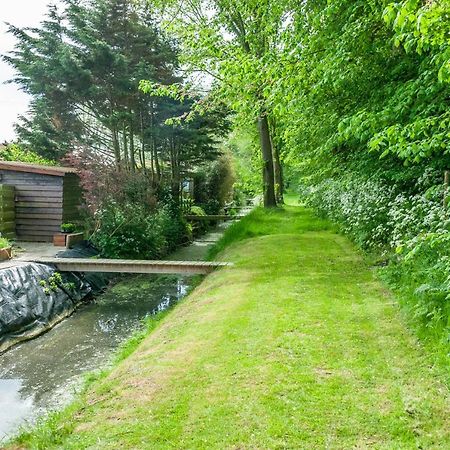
{"points": [[297, 346]]}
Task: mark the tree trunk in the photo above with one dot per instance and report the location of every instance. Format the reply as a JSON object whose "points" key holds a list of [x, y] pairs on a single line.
{"points": [[116, 147], [277, 166], [125, 147], [278, 174], [152, 162], [155, 156], [175, 173], [132, 149], [268, 172], [142, 149]]}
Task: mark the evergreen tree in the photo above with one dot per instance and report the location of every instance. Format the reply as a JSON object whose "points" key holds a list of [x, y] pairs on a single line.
{"points": [[83, 67]]}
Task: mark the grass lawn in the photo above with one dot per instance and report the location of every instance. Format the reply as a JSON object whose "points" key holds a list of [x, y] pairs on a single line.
{"points": [[298, 346]]}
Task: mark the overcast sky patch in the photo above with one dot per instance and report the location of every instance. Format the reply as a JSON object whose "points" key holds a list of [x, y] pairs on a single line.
{"points": [[13, 102]]}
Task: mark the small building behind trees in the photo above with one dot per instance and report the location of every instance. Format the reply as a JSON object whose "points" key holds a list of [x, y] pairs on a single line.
{"points": [[45, 198]]}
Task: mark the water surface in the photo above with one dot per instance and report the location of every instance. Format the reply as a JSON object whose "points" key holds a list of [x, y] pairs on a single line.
{"points": [[43, 374]]}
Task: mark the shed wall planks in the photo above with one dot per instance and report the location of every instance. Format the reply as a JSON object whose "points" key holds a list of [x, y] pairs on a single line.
{"points": [[42, 202], [7, 212]]}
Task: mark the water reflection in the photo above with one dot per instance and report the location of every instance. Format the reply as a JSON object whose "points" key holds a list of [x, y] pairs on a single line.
{"points": [[10, 394], [43, 374]]}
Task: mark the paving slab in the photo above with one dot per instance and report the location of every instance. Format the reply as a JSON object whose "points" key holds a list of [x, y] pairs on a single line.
{"points": [[26, 251]]}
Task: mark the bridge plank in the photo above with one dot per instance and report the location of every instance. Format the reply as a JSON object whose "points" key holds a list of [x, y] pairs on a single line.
{"points": [[131, 266], [214, 217]]}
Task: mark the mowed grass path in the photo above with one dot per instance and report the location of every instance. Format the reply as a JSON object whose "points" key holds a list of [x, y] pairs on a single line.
{"points": [[295, 347]]}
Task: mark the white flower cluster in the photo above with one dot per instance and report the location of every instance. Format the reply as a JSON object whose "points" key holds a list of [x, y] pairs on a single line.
{"points": [[376, 215], [416, 226]]}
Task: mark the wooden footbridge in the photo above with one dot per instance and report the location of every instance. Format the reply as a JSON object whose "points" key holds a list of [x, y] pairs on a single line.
{"points": [[130, 266], [137, 266], [216, 217]]}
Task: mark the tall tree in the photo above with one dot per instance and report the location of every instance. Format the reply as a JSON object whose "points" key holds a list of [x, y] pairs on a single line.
{"points": [[235, 41], [83, 67]]}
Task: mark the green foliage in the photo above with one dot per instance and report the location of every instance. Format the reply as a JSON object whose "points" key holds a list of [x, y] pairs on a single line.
{"points": [[213, 184], [242, 144], [68, 227], [420, 272], [238, 44], [173, 91], [82, 67], [198, 228], [239, 58], [221, 179], [345, 93], [4, 243], [423, 27], [197, 211], [359, 92], [175, 230], [14, 152], [411, 231], [55, 282], [131, 231], [361, 208]]}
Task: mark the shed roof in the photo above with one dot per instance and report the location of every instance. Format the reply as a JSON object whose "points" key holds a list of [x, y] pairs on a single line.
{"points": [[36, 168]]}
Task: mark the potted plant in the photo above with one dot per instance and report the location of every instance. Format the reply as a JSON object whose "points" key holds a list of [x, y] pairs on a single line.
{"points": [[68, 228], [68, 235], [5, 249]]}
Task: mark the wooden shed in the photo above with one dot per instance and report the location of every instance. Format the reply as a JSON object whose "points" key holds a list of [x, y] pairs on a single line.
{"points": [[45, 197]]}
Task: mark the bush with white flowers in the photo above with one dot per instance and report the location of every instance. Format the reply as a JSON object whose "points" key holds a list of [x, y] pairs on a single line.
{"points": [[412, 229]]}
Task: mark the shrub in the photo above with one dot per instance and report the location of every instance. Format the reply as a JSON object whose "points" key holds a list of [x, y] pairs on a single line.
{"points": [[14, 152], [361, 208], [213, 186], [4, 243], [197, 211], [199, 227], [133, 232], [102, 182], [412, 230], [68, 228], [212, 207], [421, 272], [175, 229]]}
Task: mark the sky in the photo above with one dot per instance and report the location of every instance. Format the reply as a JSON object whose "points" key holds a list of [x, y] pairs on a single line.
{"points": [[13, 102]]}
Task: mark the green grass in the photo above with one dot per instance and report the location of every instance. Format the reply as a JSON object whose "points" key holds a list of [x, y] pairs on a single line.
{"points": [[263, 222], [291, 198], [297, 346]]}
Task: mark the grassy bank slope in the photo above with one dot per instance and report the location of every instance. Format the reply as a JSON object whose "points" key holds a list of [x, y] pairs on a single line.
{"points": [[297, 346]]}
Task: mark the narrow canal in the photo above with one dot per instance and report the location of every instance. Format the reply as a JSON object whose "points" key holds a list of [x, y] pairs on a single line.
{"points": [[44, 374]]}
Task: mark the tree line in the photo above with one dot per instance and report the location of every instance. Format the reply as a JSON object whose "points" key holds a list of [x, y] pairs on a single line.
{"points": [[82, 68], [327, 85]]}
